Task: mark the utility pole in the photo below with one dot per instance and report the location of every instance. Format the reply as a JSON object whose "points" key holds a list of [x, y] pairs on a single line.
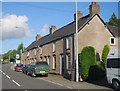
{"points": [[76, 45], [9, 58]]}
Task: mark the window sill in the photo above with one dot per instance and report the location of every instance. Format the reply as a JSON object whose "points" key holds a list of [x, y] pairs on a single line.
{"points": [[53, 51], [68, 49], [112, 44], [53, 69]]}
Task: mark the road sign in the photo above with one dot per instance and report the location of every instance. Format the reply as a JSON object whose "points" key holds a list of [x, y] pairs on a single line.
{"points": [[17, 56]]}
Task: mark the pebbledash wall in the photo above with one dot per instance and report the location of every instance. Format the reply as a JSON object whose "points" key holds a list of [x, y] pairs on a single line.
{"points": [[57, 48]]}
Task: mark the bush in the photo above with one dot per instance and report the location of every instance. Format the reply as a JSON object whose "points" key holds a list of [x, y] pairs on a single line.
{"points": [[87, 59], [105, 52], [5, 61], [96, 73]]}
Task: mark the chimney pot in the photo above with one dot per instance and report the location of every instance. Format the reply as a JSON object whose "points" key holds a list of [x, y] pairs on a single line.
{"points": [[80, 15], [37, 37], [94, 3], [52, 29], [94, 8]]}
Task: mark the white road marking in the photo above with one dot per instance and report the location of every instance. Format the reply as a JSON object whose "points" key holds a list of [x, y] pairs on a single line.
{"points": [[69, 87], [1, 71], [51, 81], [4, 73], [8, 76], [16, 83]]}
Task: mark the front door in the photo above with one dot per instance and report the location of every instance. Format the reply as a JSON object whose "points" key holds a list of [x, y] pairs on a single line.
{"points": [[62, 64]]}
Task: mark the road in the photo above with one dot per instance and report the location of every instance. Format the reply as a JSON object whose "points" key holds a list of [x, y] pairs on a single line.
{"points": [[12, 81], [18, 80]]}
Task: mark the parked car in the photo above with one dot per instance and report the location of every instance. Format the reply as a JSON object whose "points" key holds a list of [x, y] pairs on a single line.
{"points": [[113, 68], [38, 68], [25, 68], [18, 67]]}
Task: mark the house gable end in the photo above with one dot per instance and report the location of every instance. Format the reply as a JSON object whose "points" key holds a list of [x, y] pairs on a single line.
{"points": [[89, 20]]}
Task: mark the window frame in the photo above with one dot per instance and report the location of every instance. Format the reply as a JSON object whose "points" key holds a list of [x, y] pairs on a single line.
{"points": [[35, 51], [41, 50], [113, 40], [54, 62], [68, 41], [68, 62], [54, 46]]}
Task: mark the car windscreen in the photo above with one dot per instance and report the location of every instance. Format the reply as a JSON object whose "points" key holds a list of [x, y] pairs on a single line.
{"points": [[113, 63], [41, 63], [19, 65]]}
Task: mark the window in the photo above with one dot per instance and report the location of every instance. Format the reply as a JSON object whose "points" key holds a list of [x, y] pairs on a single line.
{"points": [[113, 63], [45, 58], [54, 62], [68, 42], [48, 60], [68, 62], [112, 41], [35, 51], [28, 54], [41, 59], [41, 50], [54, 46]]}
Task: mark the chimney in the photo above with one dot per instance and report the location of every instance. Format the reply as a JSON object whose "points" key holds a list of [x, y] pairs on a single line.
{"points": [[94, 8], [52, 29], [37, 37], [79, 15]]}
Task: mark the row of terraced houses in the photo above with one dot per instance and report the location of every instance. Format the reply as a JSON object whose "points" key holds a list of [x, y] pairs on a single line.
{"points": [[57, 48]]}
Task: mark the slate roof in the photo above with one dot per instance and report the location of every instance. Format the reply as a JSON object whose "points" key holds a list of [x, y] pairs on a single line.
{"points": [[115, 30], [32, 45], [67, 30]]}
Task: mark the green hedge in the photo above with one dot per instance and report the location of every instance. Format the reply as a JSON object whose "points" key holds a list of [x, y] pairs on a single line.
{"points": [[96, 73], [5, 61], [105, 52], [87, 59]]}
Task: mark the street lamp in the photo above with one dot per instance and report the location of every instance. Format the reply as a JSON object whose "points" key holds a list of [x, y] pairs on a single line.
{"points": [[76, 46]]}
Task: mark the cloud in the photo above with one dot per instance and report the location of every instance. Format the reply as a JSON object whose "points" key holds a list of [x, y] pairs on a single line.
{"points": [[14, 27], [44, 30]]}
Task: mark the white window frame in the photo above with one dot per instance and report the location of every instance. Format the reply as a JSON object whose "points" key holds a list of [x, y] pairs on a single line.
{"points": [[54, 63], [68, 40], [48, 60], [54, 46], [35, 51], [28, 54], [68, 61], [41, 50], [111, 41]]}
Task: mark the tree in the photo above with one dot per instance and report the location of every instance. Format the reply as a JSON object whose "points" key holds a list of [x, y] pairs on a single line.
{"points": [[114, 20], [20, 48], [87, 59], [11, 54]]}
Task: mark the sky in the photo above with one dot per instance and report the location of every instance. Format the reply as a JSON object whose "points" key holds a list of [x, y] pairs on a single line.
{"points": [[21, 21]]}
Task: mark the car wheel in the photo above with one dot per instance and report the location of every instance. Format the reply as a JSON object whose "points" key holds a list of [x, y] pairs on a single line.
{"points": [[116, 84], [27, 73], [46, 75]]}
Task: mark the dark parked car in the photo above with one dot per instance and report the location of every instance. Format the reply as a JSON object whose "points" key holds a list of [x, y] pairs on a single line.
{"points": [[25, 68], [38, 68], [18, 67]]}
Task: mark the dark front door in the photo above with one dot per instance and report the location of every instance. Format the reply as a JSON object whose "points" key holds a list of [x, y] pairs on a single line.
{"points": [[63, 64]]}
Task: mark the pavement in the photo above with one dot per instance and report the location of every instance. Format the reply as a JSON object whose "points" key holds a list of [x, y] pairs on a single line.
{"points": [[18, 80]]}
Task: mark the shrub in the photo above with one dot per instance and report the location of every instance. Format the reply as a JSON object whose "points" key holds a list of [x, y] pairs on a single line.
{"points": [[96, 73], [6, 61], [105, 52], [87, 59]]}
